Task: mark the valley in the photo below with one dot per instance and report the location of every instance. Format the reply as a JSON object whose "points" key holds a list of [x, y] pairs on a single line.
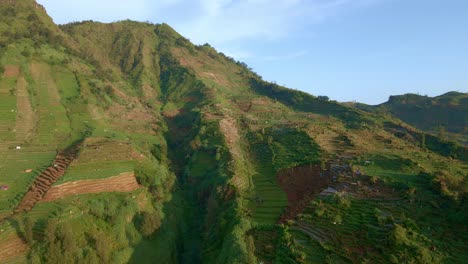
{"points": [[126, 143]]}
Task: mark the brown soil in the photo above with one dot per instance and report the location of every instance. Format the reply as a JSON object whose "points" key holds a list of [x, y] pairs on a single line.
{"points": [[232, 138], [148, 91], [209, 116], [199, 63], [185, 60], [301, 185], [125, 182], [243, 105], [135, 120], [173, 113], [261, 101], [11, 71], [219, 79], [142, 201], [11, 247], [48, 177]]}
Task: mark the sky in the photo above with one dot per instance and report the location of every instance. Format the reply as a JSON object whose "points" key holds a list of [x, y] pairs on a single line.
{"points": [[349, 50]]}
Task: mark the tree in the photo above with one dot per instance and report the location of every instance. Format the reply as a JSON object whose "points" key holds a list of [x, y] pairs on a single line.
{"points": [[149, 223], [28, 230], [323, 98], [423, 141], [441, 133]]}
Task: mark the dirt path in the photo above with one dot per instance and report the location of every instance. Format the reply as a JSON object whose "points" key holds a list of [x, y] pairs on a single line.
{"points": [[10, 247], [48, 177], [25, 114], [125, 182]]}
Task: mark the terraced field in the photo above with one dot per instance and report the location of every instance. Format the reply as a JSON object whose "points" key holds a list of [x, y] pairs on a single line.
{"points": [[125, 182], [21, 157], [54, 126], [48, 177], [102, 158], [269, 201], [12, 248], [25, 120], [188, 156]]}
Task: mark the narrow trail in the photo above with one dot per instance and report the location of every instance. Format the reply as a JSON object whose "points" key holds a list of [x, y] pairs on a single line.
{"points": [[47, 178]]}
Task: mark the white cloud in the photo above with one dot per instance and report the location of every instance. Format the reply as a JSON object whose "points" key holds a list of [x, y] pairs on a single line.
{"points": [[224, 23]]}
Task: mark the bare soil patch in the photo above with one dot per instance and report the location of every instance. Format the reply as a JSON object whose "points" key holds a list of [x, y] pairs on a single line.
{"points": [[199, 64], [125, 182], [148, 91], [301, 185], [186, 60], [219, 79], [173, 113], [10, 247], [11, 71]]}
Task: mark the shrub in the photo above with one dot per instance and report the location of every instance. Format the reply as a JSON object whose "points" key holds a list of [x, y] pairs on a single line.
{"points": [[148, 223], [449, 185]]}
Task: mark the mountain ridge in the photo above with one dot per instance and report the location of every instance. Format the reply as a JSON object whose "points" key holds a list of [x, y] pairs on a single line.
{"points": [[223, 158], [441, 114]]}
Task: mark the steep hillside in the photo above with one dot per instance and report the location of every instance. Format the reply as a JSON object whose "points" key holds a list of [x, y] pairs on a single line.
{"points": [[445, 115], [126, 143]]}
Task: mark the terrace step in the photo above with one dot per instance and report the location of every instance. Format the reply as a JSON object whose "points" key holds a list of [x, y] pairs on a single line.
{"points": [[47, 178]]}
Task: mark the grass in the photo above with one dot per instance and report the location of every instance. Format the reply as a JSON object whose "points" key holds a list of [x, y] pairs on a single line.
{"points": [[12, 174], [273, 150], [354, 229], [71, 85], [7, 108], [268, 201], [54, 125], [98, 170]]}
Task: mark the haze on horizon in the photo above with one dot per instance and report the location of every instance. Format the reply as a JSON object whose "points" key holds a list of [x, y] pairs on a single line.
{"points": [[349, 50]]}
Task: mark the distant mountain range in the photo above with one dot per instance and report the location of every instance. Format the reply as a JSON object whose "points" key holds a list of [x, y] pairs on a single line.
{"points": [[447, 112]]}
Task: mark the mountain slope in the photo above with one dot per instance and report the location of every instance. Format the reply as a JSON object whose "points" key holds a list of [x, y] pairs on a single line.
{"points": [[229, 167], [439, 114]]}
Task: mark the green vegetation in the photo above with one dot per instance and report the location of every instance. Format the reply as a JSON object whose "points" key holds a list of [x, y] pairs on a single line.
{"points": [[206, 139], [431, 114]]}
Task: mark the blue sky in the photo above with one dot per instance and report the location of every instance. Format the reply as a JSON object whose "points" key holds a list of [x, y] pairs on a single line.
{"points": [[362, 50]]}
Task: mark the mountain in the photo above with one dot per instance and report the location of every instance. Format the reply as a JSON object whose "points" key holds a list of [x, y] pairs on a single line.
{"points": [[436, 115], [126, 143]]}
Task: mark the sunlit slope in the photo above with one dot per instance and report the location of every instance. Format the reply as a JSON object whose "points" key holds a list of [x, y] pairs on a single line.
{"points": [[138, 145]]}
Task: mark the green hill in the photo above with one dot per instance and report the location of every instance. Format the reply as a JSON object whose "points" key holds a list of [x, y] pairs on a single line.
{"points": [[126, 143], [437, 115]]}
